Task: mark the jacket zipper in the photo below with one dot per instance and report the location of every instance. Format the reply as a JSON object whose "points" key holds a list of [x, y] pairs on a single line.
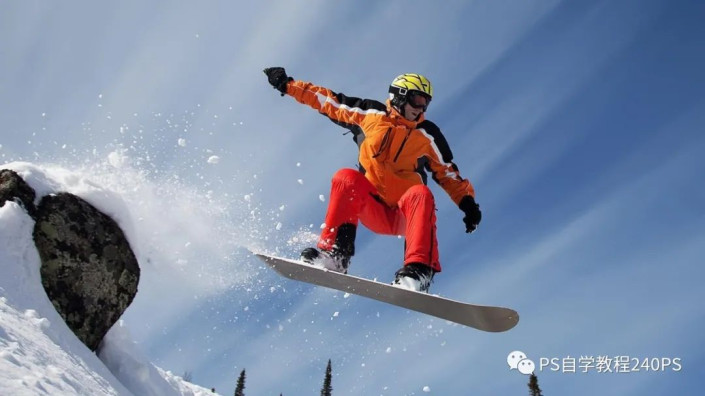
{"points": [[402, 145]]}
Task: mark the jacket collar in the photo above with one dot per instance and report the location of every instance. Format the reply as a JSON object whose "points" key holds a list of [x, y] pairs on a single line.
{"points": [[395, 115]]}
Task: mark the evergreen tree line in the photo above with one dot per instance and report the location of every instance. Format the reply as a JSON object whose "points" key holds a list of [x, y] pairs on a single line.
{"points": [[327, 388]]}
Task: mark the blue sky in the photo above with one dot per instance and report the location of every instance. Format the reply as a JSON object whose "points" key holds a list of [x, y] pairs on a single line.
{"points": [[580, 123]]}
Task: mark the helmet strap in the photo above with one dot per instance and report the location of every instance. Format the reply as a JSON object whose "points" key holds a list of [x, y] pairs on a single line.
{"points": [[399, 98]]}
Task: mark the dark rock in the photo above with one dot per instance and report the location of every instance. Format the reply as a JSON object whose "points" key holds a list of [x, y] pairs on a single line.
{"points": [[14, 188], [88, 269]]}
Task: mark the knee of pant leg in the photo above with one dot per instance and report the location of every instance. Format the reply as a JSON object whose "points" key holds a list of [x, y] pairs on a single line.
{"points": [[415, 195], [347, 175], [420, 191]]}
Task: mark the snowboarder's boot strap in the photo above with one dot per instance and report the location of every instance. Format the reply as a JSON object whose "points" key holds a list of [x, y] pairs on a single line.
{"points": [[414, 276], [331, 260]]}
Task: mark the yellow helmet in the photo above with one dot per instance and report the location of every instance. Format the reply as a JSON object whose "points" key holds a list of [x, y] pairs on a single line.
{"points": [[409, 84]]}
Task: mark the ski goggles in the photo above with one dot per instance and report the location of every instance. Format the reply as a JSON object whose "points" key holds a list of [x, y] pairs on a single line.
{"points": [[418, 100]]}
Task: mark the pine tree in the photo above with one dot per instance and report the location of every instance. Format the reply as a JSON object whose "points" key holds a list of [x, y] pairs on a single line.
{"points": [[327, 389], [240, 388], [534, 389]]}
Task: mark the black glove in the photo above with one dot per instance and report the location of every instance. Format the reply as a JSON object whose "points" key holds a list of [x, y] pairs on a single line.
{"points": [[278, 78], [472, 213]]}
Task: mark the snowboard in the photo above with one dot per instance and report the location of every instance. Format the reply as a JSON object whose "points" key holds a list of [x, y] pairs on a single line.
{"points": [[485, 318]]}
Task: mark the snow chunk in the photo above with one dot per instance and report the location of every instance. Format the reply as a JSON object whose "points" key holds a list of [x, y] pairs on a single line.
{"points": [[118, 159], [213, 159], [426, 389], [182, 142]]}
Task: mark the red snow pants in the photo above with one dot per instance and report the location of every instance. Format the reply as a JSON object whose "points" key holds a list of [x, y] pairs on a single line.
{"points": [[354, 199]]}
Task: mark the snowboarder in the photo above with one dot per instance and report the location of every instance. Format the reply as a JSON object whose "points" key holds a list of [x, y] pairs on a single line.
{"points": [[388, 193]]}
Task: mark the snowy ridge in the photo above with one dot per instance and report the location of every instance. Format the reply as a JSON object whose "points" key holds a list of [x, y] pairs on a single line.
{"points": [[39, 355]]}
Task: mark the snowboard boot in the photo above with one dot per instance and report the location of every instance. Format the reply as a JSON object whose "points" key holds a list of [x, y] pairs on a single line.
{"points": [[332, 260], [414, 276]]}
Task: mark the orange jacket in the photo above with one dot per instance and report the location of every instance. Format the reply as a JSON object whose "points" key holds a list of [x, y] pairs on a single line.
{"points": [[393, 151]]}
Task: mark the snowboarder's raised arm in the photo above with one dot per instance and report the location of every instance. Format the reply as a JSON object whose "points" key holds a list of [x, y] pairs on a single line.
{"points": [[341, 109]]}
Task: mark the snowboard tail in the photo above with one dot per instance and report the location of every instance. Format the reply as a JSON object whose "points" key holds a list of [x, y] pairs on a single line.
{"points": [[486, 318]]}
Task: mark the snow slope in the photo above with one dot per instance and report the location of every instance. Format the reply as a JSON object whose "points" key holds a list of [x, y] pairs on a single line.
{"points": [[39, 355]]}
